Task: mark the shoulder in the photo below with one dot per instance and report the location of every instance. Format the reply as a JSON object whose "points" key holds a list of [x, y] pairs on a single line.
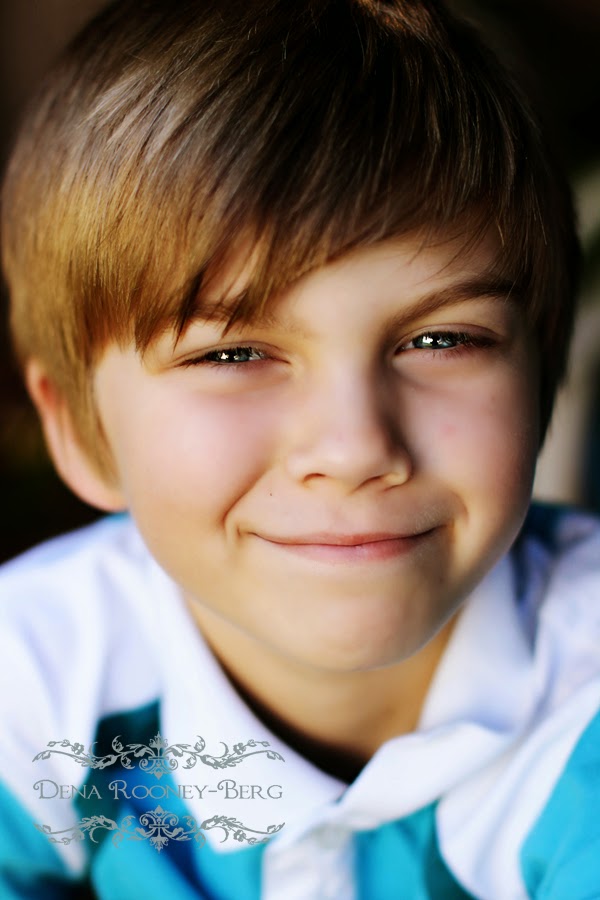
{"points": [[558, 559], [559, 526], [65, 559], [558, 566], [526, 824], [557, 569], [561, 855], [559, 542], [64, 597], [76, 633], [76, 630]]}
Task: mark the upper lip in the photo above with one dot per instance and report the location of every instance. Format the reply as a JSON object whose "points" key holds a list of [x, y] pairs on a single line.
{"points": [[341, 540]]}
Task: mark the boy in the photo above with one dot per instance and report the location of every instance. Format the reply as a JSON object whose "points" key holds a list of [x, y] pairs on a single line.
{"points": [[292, 286]]}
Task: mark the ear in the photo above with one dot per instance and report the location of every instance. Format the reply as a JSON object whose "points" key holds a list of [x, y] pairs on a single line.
{"points": [[71, 461]]}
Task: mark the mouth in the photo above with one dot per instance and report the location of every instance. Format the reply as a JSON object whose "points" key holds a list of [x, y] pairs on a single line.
{"points": [[349, 548]]}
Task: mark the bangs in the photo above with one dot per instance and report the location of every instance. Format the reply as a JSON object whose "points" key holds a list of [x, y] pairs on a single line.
{"points": [[302, 136]]}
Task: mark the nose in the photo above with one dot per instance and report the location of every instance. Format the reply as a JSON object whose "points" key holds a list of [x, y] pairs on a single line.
{"points": [[347, 429]]}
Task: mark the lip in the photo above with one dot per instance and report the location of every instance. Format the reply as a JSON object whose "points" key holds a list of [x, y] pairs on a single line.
{"points": [[339, 540], [347, 548]]}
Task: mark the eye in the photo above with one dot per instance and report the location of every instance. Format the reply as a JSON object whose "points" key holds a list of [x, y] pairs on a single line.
{"points": [[228, 356], [440, 340]]}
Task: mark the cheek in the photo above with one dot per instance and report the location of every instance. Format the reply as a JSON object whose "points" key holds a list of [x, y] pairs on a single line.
{"points": [[196, 452], [484, 435], [482, 448]]}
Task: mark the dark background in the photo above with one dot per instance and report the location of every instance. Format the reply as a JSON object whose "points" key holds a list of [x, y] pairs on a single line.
{"points": [[554, 47]]}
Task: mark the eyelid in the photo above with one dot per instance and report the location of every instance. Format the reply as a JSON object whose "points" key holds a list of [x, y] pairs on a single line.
{"points": [[466, 332], [460, 337], [463, 340], [202, 357]]}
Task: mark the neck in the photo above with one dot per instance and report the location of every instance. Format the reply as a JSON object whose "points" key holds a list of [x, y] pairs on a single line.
{"points": [[336, 720]]}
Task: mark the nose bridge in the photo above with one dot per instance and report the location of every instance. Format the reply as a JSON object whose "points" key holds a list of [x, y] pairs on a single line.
{"points": [[346, 428], [353, 405]]}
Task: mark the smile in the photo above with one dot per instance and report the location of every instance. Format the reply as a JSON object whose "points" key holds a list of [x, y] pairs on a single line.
{"points": [[342, 548]]}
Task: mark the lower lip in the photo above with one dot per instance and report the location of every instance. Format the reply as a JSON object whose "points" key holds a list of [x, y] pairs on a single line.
{"points": [[373, 551]]}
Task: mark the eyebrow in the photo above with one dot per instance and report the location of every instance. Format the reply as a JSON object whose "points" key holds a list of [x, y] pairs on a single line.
{"points": [[471, 290]]}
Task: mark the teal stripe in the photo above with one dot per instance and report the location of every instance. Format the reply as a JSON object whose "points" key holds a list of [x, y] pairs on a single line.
{"points": [[182, 869], [129, 869], [30, 866], [560, 860], [134, 870], [402, 860]]}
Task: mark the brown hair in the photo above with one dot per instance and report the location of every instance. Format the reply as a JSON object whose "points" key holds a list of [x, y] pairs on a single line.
{"points": [[169, 130]]}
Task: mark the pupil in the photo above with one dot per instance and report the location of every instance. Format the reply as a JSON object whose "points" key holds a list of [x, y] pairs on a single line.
{"points": [[240, 354], [436, 341]]}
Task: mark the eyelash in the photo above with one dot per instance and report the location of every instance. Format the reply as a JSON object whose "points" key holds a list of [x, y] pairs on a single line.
{"points": [[461, 342], [240, 350]]}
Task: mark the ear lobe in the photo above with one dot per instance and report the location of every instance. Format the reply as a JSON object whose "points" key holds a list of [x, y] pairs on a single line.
{"points": [[71, 461]]}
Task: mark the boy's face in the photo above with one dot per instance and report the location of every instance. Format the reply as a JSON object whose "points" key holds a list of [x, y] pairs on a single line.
{"points": [[334, 481]]}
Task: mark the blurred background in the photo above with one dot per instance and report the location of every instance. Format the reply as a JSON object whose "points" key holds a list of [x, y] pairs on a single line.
{"points": [[552, 45]]}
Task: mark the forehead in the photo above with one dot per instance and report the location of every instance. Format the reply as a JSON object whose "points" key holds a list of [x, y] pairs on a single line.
{"points": [[435, 271]]}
